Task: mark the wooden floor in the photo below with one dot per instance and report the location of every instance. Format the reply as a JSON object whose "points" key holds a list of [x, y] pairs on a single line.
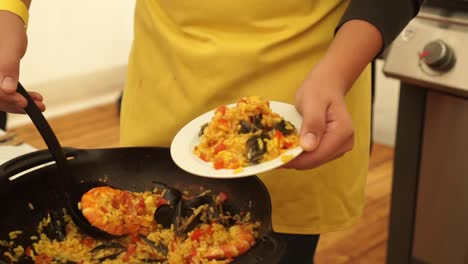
{"points": [[364, 243]]}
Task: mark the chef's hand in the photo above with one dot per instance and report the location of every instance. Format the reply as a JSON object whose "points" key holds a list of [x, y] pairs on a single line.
{"points": [[327, 131], [13, 43]]}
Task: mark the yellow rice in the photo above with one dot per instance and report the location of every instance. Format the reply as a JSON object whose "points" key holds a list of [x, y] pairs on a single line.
{"points": [[225, 144], [77, 246]]}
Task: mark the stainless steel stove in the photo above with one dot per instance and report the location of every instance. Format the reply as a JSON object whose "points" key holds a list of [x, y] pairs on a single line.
{"points": [[429, 210], [432, 51]]}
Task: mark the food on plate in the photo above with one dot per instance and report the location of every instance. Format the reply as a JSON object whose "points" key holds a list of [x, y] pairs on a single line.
{"points": [[160, 226], [246, 134]]}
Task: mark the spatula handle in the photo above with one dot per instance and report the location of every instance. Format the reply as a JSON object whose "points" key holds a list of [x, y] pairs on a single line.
{"points": [[47, 134]]}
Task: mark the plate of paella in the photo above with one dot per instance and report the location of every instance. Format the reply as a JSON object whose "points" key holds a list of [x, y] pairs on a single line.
{"points": [[251, 136]]}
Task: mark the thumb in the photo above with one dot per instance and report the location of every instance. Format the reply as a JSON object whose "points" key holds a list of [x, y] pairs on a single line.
{"points": [[9, 69], [313, 126]]}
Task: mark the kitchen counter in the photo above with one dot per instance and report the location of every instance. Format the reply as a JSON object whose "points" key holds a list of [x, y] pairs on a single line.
{"points": [[9, 152]]}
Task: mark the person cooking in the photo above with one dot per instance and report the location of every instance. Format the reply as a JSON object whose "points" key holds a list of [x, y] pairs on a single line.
{"points": [[189, 57]]}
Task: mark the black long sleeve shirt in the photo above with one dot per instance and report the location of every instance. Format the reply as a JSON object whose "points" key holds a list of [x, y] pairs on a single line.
{"points": [[389, 16]]}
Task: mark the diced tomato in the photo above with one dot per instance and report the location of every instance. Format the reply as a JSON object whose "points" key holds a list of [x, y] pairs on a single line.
{"points": [[222, 109], [219, 147], [27, 251], [279, 135], [42, 259], [223, 121], [203, 156], [219, 164], [223, 197], [87, 241], [193, 252], [287, 145], [161, 201], [135, 238], [212, 142], [103, 209], [197, 234]]}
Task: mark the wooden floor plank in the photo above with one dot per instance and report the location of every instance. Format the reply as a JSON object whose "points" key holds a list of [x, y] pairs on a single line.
{"points": [[364, 243]]}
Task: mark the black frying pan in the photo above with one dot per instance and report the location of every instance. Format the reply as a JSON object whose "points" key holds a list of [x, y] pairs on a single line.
{"points": [[133, 169]]}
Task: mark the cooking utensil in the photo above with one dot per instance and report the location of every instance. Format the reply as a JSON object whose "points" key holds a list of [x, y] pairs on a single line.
{"points": [[61, 182], [133, 169]]}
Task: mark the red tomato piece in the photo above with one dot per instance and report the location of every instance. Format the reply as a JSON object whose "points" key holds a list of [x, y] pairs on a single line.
{"points": [[222, 109], [223, 197], [87, 241], [219, 147], [203, 156], [219, 164], [27, 251], [197, 234], [279, 135], [161, 201], [42, 259]]}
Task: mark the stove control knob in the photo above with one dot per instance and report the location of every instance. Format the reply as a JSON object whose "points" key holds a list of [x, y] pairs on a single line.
{"points": [[438, 56]]}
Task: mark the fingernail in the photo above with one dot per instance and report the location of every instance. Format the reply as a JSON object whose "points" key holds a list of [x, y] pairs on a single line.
{"points": [[9, 84], [309, 141]]}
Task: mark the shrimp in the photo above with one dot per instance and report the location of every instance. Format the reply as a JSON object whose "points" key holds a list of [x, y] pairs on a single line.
{"points": [[119, 212], [242, 239]]}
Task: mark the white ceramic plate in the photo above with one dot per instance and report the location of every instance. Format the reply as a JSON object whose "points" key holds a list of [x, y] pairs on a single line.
{"points": [[187, 138]]}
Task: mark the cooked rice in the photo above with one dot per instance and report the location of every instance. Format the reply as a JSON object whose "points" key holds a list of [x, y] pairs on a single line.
{"points": [[225, 139], [77, 247]]}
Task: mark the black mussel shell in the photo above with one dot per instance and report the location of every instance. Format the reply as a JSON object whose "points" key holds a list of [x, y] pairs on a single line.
{"points": [[198, 201], [172, 195], [188, 224], [245, 127], [202, 129], [56, 228], [285, 127], [216, 212], [256, 149], [257, 122], [159, 247], [107, 251], [164, 215]]}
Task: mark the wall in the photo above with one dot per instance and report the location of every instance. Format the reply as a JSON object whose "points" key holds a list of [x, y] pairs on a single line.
{"points": [[77, 53]]}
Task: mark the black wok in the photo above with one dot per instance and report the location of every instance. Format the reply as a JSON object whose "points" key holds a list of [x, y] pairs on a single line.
{"points": [[133, 169]]}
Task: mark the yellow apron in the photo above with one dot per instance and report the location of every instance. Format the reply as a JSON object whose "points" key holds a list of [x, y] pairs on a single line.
{"points": [[189, 57]]}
